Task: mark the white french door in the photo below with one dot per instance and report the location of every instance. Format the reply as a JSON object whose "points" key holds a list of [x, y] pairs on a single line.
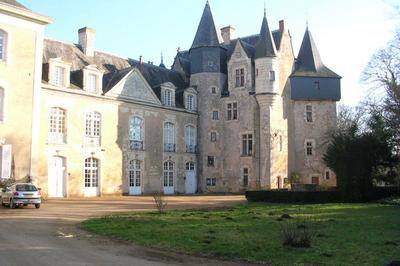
{"points": [[56, 177]]}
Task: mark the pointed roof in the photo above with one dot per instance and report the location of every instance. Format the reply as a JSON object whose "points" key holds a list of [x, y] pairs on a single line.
{"points": [[309, 62], [265, 46], [206, 34]]}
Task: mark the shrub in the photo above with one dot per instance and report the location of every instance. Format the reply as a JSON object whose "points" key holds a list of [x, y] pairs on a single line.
{"points": [[298, 234], [160, 202]]}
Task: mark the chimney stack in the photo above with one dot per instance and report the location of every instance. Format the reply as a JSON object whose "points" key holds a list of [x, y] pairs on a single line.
{"points": [[228, 33], [87, 40]]}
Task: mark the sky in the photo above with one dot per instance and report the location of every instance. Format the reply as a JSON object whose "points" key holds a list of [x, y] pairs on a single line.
{"points": [[346, 32]]}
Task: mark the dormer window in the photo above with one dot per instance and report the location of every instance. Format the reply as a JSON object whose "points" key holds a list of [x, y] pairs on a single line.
{"points": [[59, 72], [190, 102], [59, 76], [239, 77], [3, 45], [168, 96], [92, 79]]}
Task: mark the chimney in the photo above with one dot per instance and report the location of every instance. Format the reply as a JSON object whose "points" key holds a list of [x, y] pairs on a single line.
{"points": [[228, 33], [87, 40], [282, 26]]}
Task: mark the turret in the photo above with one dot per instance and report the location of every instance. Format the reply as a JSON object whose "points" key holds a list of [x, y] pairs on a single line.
{"points": [[206, 53], [266, 62]]}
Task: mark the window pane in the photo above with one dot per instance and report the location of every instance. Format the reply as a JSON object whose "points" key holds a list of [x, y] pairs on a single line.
{"points": [[2, 45], [92, 83], [1, 104], [59, 75]]}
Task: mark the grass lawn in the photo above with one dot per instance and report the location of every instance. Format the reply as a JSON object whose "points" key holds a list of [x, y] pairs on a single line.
{"points": [[343, 234]]}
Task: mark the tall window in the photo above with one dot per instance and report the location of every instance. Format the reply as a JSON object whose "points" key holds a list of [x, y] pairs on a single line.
{"points": [[210, 161], [59, 76], [213, 136], [1, 104], [245, 177], [169, 137], [168, 97], [190, 102], [93, 127], [168, 174], [57, 125], [91, 172], [272, 75], [136, 133], [92, 83], [3, 45], [190, 139], [232, 111], [134, 173], [309, 114], [309, 148], [239, 77], [247, 144], [215, 115]]}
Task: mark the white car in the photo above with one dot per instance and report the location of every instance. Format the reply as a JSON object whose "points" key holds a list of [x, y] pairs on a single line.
{"points": [[21, 194]]}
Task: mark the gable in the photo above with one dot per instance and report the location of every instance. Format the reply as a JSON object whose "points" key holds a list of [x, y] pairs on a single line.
{"points": [[134, 87]]}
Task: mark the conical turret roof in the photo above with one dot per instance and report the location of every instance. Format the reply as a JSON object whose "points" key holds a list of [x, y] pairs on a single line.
{"points": [[265, 46], [206, 34]]}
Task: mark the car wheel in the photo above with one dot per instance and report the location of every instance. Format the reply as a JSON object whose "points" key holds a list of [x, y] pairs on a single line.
{"points": [[11, 204], [37, 206]]}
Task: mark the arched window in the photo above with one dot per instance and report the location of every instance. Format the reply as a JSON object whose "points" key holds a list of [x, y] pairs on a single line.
{"points": [[93, 128], [91, 172], [134, 173], [169, 137], [3, 45], [1, 104], [136, 133], [57, 125], [168, 174], [190, 139]]}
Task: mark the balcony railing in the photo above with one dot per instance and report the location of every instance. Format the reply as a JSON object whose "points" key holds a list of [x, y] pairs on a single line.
{"points": [[135, 145], [92, 141], [191, 148], [169, 147], [57, 138]]}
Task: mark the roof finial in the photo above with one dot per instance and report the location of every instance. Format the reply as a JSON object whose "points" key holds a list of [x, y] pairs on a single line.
{"points": [[162, 58], [265, 10], [307, 21]]}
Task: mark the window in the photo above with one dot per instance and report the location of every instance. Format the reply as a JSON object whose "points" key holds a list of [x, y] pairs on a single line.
{"points": [[136, 133], [190, 139], [247, 144], [215, 115], [327, 175], [280, 143], [232, 111], [309, 148], [213, 136], [239, 77], [190, 102], [134, 173], [59, 76], [168, 174], [91, 172], [272, 75], [316, 83], [3, 45], [309, 114], [213, 90], [92, 83], [256, 72], [211, 182], [168, 97], [1, 104], [189, 166], [93, 127], [210, 161], [169, 138], [57, 125], [245, 177]]}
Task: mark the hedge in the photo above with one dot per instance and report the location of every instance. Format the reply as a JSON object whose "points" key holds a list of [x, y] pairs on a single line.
{"points": [[285, 196]]}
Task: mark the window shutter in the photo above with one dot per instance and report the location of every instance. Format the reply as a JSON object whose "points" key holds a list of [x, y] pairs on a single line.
{"points": [[6, 159]]}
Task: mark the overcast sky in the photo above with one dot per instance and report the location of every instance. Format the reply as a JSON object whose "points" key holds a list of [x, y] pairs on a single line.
{"points": [[347, 32]]}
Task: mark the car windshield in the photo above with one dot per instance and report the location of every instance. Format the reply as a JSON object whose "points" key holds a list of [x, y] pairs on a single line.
{"points": [[26, 188]]}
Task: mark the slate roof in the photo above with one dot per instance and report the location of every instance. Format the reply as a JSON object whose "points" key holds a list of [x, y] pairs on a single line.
{"points": [[13, 3], [206, 34], [248, 48], [309, 62], [115, 68], [265, 46]]}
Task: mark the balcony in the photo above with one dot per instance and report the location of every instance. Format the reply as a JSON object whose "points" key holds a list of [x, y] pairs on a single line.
{"points": [[92, 141], [136, 145], [169, 147], [56, 138], [191, 148]]}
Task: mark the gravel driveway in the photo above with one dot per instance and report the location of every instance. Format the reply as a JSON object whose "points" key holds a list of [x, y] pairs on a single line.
{"points": [[50, 235]]}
